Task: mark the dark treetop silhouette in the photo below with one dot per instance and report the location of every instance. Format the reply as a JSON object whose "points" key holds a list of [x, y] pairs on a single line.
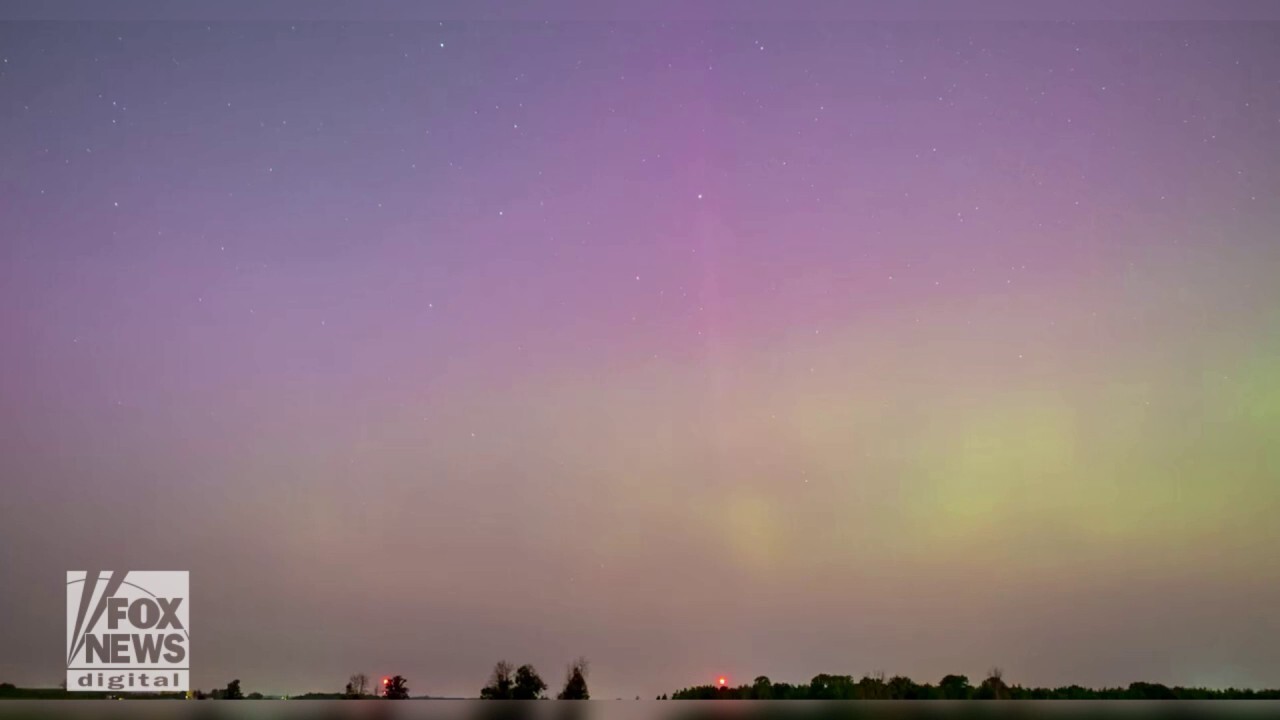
{"points": [[395, 688], [525, 684]]}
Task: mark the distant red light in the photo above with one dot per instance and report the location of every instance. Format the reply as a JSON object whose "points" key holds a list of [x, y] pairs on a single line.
{"points": [[722, 681], [386, 681]]}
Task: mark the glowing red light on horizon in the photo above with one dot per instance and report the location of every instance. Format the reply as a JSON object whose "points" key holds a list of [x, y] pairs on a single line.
{"points": [[386, 681], [722, 681]]}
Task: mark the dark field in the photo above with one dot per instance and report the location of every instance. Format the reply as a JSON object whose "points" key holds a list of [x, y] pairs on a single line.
{"points": [[634, 710]]}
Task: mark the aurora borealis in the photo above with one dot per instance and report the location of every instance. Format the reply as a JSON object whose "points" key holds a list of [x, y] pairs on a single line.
{"points": [[695, 345]]}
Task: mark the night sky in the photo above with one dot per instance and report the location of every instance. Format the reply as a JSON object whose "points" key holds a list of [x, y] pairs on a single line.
{"points": [[695, 345]]}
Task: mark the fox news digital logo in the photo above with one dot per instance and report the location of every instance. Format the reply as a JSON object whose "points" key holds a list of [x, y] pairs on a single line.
{"points": [[127, 631]]}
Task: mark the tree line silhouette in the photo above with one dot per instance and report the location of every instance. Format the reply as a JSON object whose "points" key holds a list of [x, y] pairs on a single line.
{"points": [[951, 687], [507, 682], [231, 692], [524, 683]]}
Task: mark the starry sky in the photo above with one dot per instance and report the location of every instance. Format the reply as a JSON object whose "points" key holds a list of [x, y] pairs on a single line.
{"points": [[695, 344]]}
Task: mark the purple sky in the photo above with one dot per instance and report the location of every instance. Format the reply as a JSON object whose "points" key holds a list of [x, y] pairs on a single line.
{"points": [[693, 345]]}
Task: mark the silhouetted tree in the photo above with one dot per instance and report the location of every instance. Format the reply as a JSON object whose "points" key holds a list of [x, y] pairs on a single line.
{"points": [[528, 685], [357, 685], [233, 691], [904, 688], [575, 684], [500, 683], [955, 687], [762, 688], [396, 689], [993, 688], [872, 687], [255, 696], [1149, 691], [831, 687]]}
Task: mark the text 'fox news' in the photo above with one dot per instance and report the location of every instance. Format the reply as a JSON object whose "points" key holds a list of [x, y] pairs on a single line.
{"points": [[128, 631]]}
